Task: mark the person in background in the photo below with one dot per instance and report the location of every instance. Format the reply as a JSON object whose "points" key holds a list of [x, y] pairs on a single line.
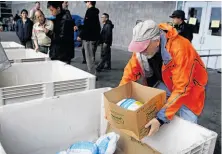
{"points": [[23, 29], [41, 41], [90, 34], [5, 24], [167, 61], [16, 18], [11, 23], [65, 5], [182, 27], [33, 10], [106, 40], [62, 46], [79, 29]]}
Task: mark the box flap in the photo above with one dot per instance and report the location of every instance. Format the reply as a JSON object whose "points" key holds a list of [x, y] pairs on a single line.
{"points": [[129, 145], [119, 93], [143, 93]]}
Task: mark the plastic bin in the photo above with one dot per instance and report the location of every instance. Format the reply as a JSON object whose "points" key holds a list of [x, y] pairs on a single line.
{"points": [[28, 81], [47, 126], [11, 45], [25, 55]]}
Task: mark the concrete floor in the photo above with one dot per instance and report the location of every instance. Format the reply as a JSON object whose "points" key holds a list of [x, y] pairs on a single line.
{"points": [[211, 116]]}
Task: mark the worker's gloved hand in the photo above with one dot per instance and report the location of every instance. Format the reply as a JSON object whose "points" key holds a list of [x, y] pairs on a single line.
{"points": [[154, 125]]}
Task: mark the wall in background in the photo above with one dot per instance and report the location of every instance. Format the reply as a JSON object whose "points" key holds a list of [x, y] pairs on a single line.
{"points": [[123, 14]]}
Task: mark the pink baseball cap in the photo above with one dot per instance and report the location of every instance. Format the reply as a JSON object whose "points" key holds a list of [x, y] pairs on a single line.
{"points": [[143, 32]]}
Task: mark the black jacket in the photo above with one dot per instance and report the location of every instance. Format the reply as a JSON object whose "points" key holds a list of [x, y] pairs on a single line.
{"points": [[107, 33], [24, 31], [62, 46], [91, 28], [185, 30]]}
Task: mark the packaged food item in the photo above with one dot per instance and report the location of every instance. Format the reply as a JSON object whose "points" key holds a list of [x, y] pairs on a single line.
{"points": [[130, 104], [83, 148], [106, 144]]}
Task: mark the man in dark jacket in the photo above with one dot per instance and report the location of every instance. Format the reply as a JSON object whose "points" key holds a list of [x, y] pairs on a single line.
{"points": [[23, 29], [106, 40], [90, 34], [16, 18], [62, 46], [183, 28]]}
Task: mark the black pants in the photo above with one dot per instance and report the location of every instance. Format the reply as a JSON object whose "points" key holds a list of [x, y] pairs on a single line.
{"points": [[83, 53], [105, 56], [27, 44]]}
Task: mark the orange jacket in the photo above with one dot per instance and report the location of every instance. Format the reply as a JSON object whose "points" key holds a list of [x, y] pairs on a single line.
{"points": [[184, 75]]}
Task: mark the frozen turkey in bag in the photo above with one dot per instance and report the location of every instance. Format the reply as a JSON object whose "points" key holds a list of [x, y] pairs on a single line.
{"points": [[130, 104]]}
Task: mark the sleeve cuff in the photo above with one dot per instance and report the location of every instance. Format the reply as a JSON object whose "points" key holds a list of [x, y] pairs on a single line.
{"points": [[162, 116], [160, 121]]}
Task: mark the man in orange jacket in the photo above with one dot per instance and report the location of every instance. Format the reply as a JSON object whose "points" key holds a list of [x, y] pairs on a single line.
{"points": [[169, 62]]}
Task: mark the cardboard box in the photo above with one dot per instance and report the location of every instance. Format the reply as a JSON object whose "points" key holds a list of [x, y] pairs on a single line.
{"points": [[129, 145], [133, 122]]}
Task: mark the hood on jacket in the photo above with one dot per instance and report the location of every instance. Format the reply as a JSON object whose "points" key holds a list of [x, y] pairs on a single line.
{"points": [[110, 23], [171, 32]]}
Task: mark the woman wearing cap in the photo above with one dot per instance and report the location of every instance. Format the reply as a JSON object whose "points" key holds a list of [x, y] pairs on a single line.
{"points": [[167, 61]]}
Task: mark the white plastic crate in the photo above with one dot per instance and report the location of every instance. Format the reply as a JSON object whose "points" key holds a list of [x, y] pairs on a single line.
{"points": [[47, 126], [11, 45], [28, 81], [25, 55]]}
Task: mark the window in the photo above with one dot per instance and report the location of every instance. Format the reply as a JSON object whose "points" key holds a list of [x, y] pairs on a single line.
{"points": [[194, 18], [215, 22], [179, 5]]}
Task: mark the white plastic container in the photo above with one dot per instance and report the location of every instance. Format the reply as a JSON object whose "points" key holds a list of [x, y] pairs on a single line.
{"points": [[11, 45], [47, 126], [25, 55], [28, 81]]}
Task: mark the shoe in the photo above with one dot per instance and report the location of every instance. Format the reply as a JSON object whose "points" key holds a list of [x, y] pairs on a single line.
{"points": [[83, 62]]}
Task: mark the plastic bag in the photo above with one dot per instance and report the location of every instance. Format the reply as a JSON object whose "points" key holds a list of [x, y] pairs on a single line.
{"points": [[104, 145], [107, 143], [130, 104], [81, 148]]}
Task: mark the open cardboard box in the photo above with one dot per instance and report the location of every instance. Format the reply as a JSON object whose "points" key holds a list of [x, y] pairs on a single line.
{"points": [[133, 122]]}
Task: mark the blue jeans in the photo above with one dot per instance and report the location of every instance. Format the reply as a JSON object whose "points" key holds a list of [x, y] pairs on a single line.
{"points": [[184, 112]]}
